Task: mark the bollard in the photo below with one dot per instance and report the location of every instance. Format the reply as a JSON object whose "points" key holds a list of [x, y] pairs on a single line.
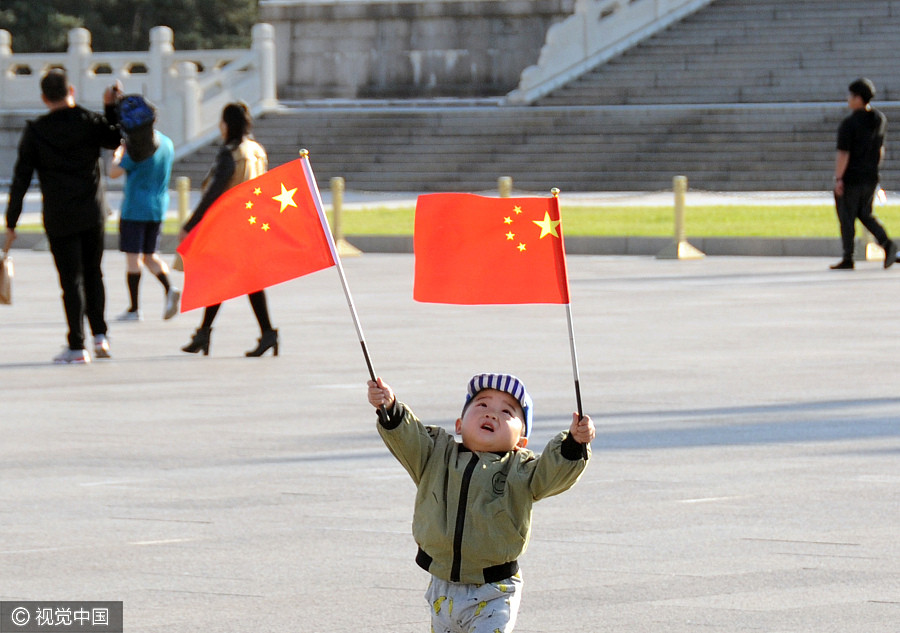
{"points": [[337, 206], [679, 248], [183, 189], [870, 250], [504, 186], [679, 186], [344, 247], [866, 248]]}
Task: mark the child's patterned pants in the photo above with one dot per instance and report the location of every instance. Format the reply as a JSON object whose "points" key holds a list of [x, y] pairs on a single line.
{"points": [[460, 608]]}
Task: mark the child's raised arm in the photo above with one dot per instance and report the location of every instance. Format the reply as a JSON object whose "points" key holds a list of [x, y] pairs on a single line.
{"points": [[380, 394], [582, 429]]}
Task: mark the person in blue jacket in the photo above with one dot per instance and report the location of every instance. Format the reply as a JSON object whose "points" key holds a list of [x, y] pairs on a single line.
{"points": [[146, 157]]}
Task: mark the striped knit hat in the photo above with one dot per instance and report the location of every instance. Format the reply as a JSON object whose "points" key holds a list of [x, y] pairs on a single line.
{"points": [[503, 382]]}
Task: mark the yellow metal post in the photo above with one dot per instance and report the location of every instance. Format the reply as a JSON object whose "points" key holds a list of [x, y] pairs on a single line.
{"points": [[870, 249], [183, 189], [504, 186], [679, 248], [679, 186], [344, 247]]}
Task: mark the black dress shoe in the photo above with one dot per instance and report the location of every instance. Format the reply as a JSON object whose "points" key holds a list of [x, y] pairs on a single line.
{"points": [[844, 264], [199, 342], [268, 340], [890, 254]]}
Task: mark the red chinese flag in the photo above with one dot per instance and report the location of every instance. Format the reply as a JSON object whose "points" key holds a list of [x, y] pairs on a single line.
{"points": [[476, 250], [255, 235]]}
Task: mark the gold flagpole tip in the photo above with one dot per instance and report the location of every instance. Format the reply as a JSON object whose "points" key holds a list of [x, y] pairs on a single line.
{"points": [[555, 192], [304, 153]]}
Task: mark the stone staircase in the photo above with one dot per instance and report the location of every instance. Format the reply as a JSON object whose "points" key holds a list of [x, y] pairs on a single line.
{"points": [[637, 148], [752, 51], [744, 95]]}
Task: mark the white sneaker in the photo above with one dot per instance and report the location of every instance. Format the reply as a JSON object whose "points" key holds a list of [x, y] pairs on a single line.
{"points": [[72, 357], [173, 298], [101, 346], [128, 315]]}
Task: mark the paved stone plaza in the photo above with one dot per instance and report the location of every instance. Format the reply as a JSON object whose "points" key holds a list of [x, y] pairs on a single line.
{"points": [[746, 473]]}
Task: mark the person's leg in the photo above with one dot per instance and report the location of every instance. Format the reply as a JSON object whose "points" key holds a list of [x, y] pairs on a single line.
{"points": [[133, 278], [209, 315], [66, 251], [200, 339], [847, 222], [268, 336], [493, 607], [94, 291], [486, 608], [150, 249], [130, 244], [440, 603], [158, 267], [260, 310], [133, 262], [866, 215], [865, 200]]}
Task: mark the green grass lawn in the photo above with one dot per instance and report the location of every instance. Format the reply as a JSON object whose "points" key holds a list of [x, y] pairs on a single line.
{"points": [[775, 220], [700, 221]]}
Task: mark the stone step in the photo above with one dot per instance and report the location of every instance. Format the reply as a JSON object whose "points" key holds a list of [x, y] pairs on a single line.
{"points": [[749, 51], [747, 55], [577, 149]]}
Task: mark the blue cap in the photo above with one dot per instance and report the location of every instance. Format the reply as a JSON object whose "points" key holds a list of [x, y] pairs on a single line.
{"points": [[506, 383]]}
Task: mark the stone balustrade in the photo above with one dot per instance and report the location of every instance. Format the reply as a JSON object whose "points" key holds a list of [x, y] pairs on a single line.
{"points": [[597, 31], [189, 88]]}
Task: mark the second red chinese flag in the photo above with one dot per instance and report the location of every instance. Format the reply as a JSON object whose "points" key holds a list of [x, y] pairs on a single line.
{"points": [[260, 233], [472, 249]]}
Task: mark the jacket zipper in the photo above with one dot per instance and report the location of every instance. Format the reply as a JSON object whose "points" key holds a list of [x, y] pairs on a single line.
{"points": [[461, 518]]}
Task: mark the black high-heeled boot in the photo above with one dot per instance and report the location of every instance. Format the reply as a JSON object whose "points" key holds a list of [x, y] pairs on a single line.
{"points": [[268, 340], [199, 342]]}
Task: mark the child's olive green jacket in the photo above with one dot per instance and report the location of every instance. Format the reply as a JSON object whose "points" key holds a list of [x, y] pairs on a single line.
{"points": [[472, 516]]}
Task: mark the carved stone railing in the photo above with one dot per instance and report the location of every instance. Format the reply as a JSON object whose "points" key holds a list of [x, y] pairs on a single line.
{"points": [[189, 88], [598, 30]]}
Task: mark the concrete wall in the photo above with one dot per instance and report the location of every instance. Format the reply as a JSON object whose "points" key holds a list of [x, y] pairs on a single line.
{"points": [[428, 48]]}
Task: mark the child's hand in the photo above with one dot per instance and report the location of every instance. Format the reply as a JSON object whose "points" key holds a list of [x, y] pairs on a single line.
{"points": [[582, 429], [380, 394]]}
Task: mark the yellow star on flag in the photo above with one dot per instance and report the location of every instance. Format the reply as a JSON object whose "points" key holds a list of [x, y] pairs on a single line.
{"points": [[286, 198], [265, 226], [521, 247], [257, 191], [252, 219], [507, 220], [517, 209], [510, 236], [548, 226], [249, 205]]}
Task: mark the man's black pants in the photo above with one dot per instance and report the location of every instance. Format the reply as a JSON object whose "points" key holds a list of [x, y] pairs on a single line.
{"points": [[77, 259], [856, 203]]}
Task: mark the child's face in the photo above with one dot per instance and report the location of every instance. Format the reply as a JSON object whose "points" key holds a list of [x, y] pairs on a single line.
{"points": [[492, 422]]}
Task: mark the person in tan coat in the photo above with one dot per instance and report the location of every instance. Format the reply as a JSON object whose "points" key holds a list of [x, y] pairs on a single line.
{"points": [[240, 158]]}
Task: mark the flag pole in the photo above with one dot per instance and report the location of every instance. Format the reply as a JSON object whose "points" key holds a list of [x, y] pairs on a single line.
{"points": [[569, 320], [317, 198], [574, 360]]}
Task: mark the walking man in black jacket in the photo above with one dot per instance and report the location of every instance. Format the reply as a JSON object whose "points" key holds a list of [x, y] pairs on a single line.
{"points": [[64, 147]]}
